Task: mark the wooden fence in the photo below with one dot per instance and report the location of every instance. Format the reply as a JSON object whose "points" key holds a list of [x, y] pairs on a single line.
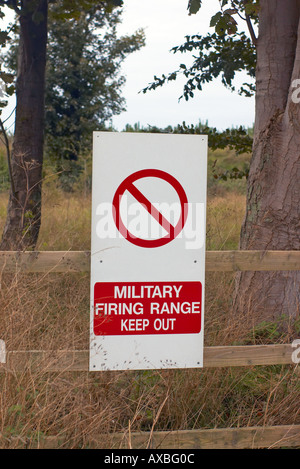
{"points": [[216, 357], [216, 261]]}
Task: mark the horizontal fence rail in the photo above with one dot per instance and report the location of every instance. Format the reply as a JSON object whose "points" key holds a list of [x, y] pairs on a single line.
{"points": [[221, 438], [214, 357], [270, 437], [216, 261]]}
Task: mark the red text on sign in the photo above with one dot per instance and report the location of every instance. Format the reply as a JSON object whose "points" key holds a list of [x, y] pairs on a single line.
{"points": [[147, 308]]}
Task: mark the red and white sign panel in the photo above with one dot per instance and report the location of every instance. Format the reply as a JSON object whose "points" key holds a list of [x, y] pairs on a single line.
{"points": [[147, 308], [171, 231], [148, 251]]}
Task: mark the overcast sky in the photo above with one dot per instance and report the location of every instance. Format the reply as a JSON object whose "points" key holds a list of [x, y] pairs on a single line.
{"points": [[166, 23]]}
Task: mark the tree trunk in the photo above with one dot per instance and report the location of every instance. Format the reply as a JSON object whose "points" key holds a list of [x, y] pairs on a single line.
{"points": [[24, 207], [272, 220]]}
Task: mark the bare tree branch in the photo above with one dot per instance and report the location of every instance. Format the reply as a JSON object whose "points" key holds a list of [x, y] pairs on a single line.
{"points": [[251, 30]]}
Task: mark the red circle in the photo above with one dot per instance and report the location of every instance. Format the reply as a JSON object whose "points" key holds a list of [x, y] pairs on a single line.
{"points": [[127, 184]]}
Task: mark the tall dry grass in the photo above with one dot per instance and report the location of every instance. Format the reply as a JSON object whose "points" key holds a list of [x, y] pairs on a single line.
{"points": [[51, 312]]}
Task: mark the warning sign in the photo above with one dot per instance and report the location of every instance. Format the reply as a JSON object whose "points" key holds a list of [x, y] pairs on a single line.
{"points": [[147, 251], [147, 308], [128, 185]]}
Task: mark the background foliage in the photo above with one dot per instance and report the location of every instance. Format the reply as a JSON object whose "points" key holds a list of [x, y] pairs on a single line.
{"points": [[84, 84]]}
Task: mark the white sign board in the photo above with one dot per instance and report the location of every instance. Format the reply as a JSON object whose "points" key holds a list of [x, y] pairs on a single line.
{"points": [[147, 251]]}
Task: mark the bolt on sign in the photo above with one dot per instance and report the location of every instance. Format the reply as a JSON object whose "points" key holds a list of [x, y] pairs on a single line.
{"points": [[147, 251]]}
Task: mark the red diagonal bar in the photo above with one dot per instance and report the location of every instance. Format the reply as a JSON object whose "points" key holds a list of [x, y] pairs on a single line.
{"points": [[151, 209]]}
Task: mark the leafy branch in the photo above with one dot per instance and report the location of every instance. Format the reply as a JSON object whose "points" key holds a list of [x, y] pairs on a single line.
{"points": [[224, 22], [11, 4], [217, 56]]}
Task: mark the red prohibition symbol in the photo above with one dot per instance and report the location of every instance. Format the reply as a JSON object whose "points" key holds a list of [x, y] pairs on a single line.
{"points": [[128, 185]]}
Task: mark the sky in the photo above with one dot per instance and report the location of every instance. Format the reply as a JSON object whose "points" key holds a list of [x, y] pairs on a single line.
{"points": [[166, 23]]}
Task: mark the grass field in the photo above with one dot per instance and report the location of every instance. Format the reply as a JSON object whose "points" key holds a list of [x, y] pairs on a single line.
{"points": [[52, 312]]}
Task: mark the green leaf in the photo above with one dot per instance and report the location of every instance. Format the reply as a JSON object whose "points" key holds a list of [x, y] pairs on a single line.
{"points": [[230, 11], [232, 29], [194, 6], [3, 37], [215, 19], [7, 77], [251, 8], [10, 90], [117, 3], [221, 26]]}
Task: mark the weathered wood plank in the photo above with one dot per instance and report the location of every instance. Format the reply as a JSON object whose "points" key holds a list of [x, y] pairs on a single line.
{"points": [[46, 361], [228, 261], [227, 438], [79, 261], [214, 357], [44, 261], [220, 438], [247, 355]]}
